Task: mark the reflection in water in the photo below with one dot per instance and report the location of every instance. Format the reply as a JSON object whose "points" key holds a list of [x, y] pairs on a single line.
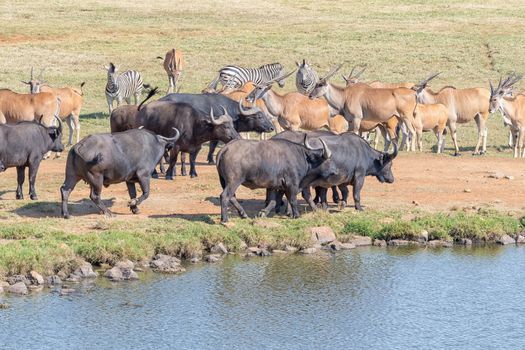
{"points": [[370, 298]]}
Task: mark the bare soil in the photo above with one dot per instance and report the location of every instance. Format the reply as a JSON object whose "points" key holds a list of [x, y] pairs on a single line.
{"points": [[427, 181]]}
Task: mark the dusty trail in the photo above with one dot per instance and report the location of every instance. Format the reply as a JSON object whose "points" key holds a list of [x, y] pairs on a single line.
{"points": [[430, 182]]}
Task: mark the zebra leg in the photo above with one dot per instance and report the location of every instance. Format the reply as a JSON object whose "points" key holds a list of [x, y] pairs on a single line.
{"points": [[110, 104]]}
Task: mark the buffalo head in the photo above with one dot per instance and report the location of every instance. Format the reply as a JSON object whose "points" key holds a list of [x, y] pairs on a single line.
{"points": [[223, 128], [383, 166]]}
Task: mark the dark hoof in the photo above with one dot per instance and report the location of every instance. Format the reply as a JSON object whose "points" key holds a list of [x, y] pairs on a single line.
{"points": [[155, 176], [359, 208], [135, 210], [262, 214], [33, 197], [183, 173], [193, 175], [169, 177], [457, 154], [19, 196], [67, 216]]}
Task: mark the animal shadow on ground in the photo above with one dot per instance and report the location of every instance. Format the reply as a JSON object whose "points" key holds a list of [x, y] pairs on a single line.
{"points": [[6, 191], [97, 115], [189, 217], [42, 209]]}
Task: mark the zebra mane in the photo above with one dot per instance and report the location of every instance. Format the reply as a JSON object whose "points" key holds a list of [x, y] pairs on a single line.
{"points": [[272, 65]]}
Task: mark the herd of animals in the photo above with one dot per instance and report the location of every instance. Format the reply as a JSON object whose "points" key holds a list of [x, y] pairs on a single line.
{"points": [[300, 157]]}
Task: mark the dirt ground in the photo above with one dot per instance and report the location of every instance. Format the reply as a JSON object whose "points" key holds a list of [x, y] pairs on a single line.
{"points": [[426, 181]]}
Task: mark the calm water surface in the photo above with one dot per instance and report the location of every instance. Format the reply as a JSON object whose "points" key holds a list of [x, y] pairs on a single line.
{"points": [[369, 298]]}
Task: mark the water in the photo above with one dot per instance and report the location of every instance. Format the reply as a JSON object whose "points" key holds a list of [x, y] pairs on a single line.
{"points": [[370, 298]]}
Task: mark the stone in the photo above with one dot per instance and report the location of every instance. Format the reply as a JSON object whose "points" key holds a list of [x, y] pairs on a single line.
{"points": [[333, 246], [497, 175], [85, 270], [347, 246], [399, 242], [505, 239], [310, 250], [423, 235], [4, 306], [36, 278], [279, 251], [166, 264], [18, 278], [73, 278], [509, 177], [114, 274], [19, 288], [321, 235], [132, 275], [520, 239], [264, 252], [380, 243], [467, 190], [290, 249], [254, 250], [36, 288], [126, 264], [360, 241], [212, 258], [416, 203], [439, 243], [465, 241], [53, 280], [219, 248], [195, 260], [66, 291]]}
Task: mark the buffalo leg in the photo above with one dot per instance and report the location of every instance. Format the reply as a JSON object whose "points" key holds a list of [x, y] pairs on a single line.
{"points": [[335, 195], [307, 196], [291, 195], [358, 185], [183, 164], [323, 194], [270, 202], [170, 173], [344, 195], [20, 181], [144, 186], [227, 194], [65, 190], [213, 146], [193, 158], [132, 190], [96, 190], [279, 202], [33, 170]]}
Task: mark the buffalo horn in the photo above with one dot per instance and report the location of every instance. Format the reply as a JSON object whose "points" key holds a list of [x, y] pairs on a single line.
{"points": [[326, 151], [171, 139], [249, 111]]}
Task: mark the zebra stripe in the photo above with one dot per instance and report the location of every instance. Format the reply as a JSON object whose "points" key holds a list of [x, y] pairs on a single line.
{"points": [[125, 85], [235, 76]]}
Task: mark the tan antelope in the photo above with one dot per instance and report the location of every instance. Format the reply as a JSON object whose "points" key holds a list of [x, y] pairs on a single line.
{"points": [[464, 105], [352, 79], [173, 65], [15, 107], [294, 110], [432, 117], [513, 110], [71, 102], [360, 102]]}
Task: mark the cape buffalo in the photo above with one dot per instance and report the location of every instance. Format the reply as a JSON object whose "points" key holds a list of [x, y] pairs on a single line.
{"points": [[354, 159], [278, 165], [105, 159], [24, 145], [195, 128], [244, 120]]}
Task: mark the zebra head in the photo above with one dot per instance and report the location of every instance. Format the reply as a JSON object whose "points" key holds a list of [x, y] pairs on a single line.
{"points": [[112, 71], [306, 78]]}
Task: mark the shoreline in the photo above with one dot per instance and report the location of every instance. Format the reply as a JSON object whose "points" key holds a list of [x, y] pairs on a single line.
{"points": [[32, 258]]}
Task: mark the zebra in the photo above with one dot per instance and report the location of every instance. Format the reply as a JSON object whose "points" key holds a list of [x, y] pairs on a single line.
{"points": [[234, 77], [123, 86], [305, 78]]}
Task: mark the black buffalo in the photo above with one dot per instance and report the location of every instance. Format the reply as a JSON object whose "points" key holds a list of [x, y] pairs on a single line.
{"points": [[195, 128], [24, 145], [105, 159], [354, 159], [245, 120], [277, 165]]}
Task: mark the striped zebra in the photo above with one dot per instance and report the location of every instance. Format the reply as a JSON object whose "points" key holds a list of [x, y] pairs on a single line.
{"points": [[234, 77], [123, 86], [305, 78]]}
